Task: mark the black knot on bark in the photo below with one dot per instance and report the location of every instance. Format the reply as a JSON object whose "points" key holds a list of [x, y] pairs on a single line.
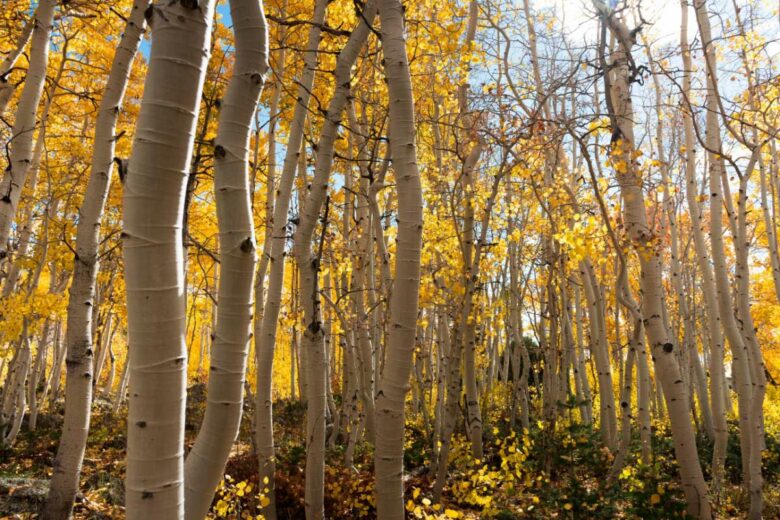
{"points": [[668, 347], [247, 245], [219, 151], [189, 4], [141, 424]]}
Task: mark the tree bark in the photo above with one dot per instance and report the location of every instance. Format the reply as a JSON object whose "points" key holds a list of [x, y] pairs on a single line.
{"points": [[394, 382], [617, 83], [265, 328], [79, 333], [21, 142], [6, 87], [153, 216], [206, 461]]}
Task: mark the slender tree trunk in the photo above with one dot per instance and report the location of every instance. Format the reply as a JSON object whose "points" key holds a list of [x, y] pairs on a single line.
{"points": [[600, 351], [625, 405], [206, 461], [394, 380], [6, 87], [21, 142], [121, 391], [38, 369], [79, 376], [15, 396], [153, 216], [309, 262], [741, 371], [619, 103], [713, 321], [265, 329]]}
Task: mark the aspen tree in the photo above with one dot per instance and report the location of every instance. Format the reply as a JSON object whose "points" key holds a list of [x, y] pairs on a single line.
{"points": [[394, 382], [21, 142], [470, 259], [206, 461], [78, 337], [743, 294], [688, 344], [263, 438], [367, 212], [726, 307], [309, 261], [26, 222], [14, 403], [6, 87], [600, 351], [154, 194], [617, 80], [744, 350], [717, 376], [265, 335]]}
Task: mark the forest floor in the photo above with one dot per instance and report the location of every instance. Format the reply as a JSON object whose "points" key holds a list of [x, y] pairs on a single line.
{"points": [[535, 475]]}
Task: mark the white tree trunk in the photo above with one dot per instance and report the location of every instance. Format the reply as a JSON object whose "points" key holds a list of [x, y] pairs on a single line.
{"points": [[21, 142], [718, 388], [265, 327], [153, 212], [309, 264], [642, 237], [79, 333], [6, 87], [206, 461], [394, 382]]}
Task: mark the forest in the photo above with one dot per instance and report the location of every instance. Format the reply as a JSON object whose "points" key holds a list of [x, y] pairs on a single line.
{"points": [[389, 259]]}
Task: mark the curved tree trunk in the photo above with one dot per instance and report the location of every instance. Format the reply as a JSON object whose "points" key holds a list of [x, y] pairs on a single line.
{"points": [[726, 305], [265, 328], [79, 334], [713, 321], [153, 212], [620, 108], [206, 461], [394, 381], [6, 87], [309, 263]]}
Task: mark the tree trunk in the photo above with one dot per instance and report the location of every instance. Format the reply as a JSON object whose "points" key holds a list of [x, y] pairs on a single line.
{"points": [[265, 328], [309, 263], [6, 87], [394, 380], [206, 461], [79, 375], [713, 320], [153, 212], [21, 141], [620, 108]]}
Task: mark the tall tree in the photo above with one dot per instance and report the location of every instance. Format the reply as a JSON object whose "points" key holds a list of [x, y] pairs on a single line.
{"points": [[79, 331], [206, 461], [394, 382], [22, 134], [153, 209], [617, 82]]}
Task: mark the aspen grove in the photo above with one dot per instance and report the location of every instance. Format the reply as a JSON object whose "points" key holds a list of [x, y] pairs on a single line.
{"points": [[392, 259]]}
